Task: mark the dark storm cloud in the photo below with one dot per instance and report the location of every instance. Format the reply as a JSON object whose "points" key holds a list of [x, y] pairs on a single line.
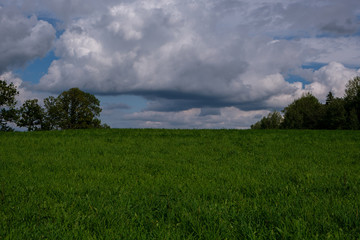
{"points": [[209, 111], [347, 28], [116, 106], [22, 39]]}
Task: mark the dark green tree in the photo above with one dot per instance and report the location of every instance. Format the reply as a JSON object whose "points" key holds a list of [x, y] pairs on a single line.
{"points": [[105, 126], [76, 110], [271, 121], [304, 113], [352, 103], [329, 98], [352, 90], [8, 112], [352, 120], [256, 125], [31, 115], [335, 113], [52, 117]]}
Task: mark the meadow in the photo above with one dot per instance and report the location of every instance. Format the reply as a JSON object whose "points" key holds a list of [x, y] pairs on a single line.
{"points": [[180, 184]]}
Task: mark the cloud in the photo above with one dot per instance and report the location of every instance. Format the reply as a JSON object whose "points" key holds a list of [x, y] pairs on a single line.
{"points": [[210, 112], [345, 50], [228, 117], [332, 77], [185, 55], [346, 28], [156, 51], [24, 92], [116, 106], [22, 38], [201, 58]]}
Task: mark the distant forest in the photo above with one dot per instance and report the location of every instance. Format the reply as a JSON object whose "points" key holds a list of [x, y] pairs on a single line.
{"points": [[75, 109], [72, 109], [308, 113]]}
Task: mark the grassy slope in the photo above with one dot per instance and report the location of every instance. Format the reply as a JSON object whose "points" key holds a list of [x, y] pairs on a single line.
{"points": [[178, 184]]}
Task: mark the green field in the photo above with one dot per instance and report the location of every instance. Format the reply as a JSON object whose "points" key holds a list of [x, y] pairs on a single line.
{"points": [[180, 184]]}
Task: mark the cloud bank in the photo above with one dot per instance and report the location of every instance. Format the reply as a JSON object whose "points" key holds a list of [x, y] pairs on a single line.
{"points": [[192, 60]]}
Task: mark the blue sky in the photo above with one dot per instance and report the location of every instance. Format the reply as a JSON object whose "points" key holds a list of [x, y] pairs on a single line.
{"points": [[181, 64], [35, 69]]}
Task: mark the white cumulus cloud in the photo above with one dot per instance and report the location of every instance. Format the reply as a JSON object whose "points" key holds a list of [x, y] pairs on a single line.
{"points": [[332, 77]]}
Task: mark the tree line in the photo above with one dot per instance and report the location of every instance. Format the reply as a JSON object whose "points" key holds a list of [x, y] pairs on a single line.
{"points": [[308, 113], [75, 109], [72, 109]]}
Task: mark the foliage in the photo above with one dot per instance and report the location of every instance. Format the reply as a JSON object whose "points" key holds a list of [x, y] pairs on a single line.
{"points": [[329, 98], [303, 113], [105, 126], [272, 121], [77, 109], [180, 184], [308, 113], [7, 105], [72, 109], [352, 99], [353, 120], [52, 115], [335, 113], [31, 115], [352, 91]]}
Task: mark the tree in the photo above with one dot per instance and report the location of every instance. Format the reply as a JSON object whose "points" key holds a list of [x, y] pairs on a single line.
{"points": [[105, 126], [76, 110], [7, 105], [31, 115], [352, 120], [256, 125], [352, 102], [329, 98], [272, 121], [304, 113], [51, 114], [352, 90], [335, 114]]}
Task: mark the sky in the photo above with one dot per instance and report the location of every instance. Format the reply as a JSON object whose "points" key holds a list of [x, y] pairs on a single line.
{"points": [[181, 63]]}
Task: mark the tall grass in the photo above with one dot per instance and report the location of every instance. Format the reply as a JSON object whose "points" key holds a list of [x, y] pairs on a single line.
{"points": [[180, 184]]}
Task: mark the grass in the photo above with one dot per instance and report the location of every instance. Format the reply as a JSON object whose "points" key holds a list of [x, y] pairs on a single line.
{"points": [[180, 184]]}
